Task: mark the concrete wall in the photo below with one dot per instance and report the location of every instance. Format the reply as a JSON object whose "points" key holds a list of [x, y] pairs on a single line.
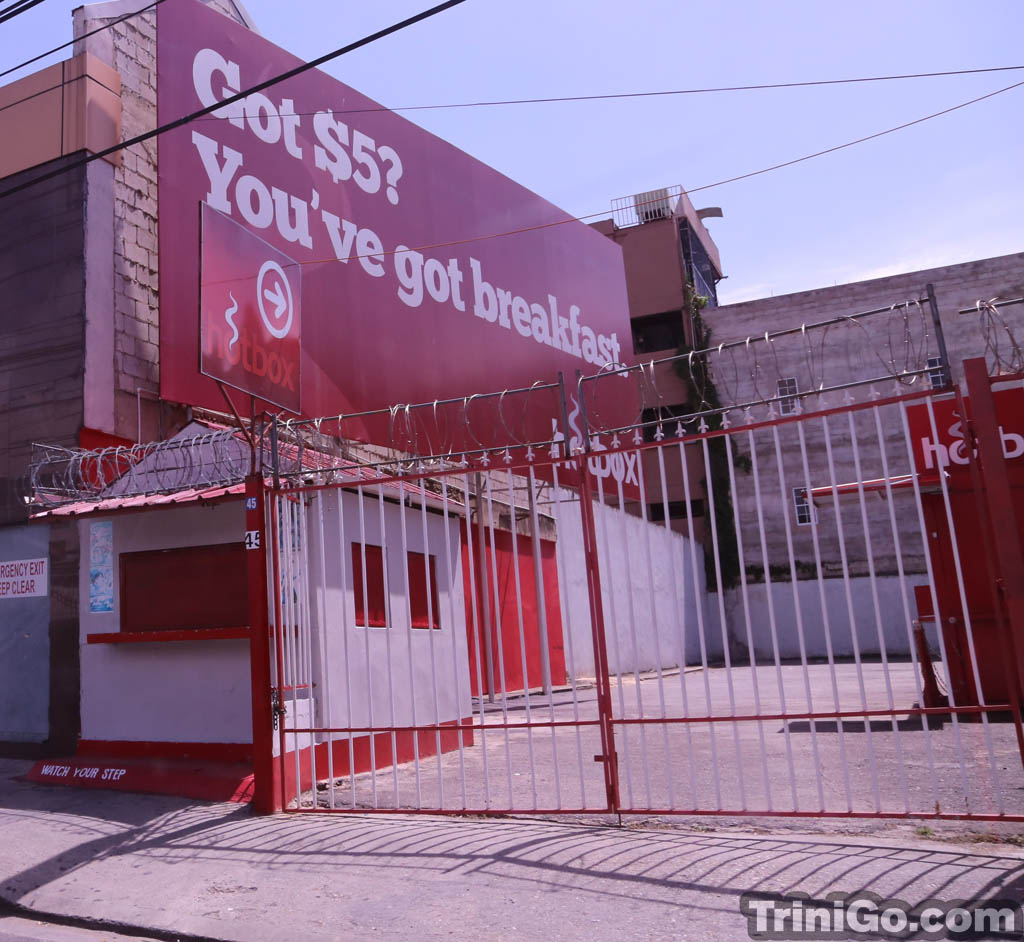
{"points": [[821, 621], [847, 354], [130, 47], [374, 674], [652, 582], [183, 691]]}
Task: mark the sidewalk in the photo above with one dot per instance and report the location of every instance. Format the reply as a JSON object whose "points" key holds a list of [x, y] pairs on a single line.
{"points": [[212, 870]]}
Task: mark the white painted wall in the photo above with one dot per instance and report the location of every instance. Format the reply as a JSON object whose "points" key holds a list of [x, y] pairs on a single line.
{"points": [[398, 675], [653, 613], [834, 617], [182, 691]]}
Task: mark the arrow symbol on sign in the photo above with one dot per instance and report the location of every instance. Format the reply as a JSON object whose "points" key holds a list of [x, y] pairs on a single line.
{"points": [[278, 297]]}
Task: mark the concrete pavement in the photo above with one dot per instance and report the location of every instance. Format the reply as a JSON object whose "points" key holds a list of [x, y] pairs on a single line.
{"points": [[168, 866]]}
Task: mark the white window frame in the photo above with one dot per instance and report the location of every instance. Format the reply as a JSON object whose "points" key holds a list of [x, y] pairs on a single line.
{"points": [[787, 389], [803, 505], [937, 376]]}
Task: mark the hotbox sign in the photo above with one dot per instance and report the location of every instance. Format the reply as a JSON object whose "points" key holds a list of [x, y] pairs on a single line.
{"points": [[404, 297], [250, 325], [951, 451]]}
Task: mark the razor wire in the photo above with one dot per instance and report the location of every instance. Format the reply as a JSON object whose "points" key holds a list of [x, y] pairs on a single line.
{"points": [[730, 383]]}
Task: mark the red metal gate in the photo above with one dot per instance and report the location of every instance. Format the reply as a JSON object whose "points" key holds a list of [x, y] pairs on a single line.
{"points": [[755, 623]]}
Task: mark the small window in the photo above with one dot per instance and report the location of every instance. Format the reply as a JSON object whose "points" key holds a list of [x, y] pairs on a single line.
{"points": [[676, 510], [937, 376], [374, 614], [804, 508], [424, 615], [654, 332], [787, 389]]}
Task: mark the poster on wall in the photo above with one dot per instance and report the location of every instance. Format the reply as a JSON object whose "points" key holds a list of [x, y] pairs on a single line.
{"points": [[407, 292], [101, 566]]}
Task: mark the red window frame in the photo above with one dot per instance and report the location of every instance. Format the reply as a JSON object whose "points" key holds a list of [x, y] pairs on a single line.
{"points": [[375, 585], [423, 616]]}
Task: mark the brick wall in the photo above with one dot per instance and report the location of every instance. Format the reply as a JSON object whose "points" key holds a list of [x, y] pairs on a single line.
{"points": [[130, 47]]}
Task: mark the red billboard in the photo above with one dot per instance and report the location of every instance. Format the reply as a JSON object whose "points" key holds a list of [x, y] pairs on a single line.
{"points": [[406, 296], [249, 325]]}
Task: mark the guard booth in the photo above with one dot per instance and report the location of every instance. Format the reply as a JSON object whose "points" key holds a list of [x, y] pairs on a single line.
{"points": [[962, 565]]}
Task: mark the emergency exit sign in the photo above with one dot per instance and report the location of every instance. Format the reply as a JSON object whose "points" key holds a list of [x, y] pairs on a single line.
{"points": [[23, 579]]}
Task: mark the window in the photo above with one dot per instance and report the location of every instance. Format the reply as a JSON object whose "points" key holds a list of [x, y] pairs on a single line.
{"points": [[676, 510], [657, 332], [186, 588], [937, 376], [700, 272], [787, 388], [804, 508], [423, 616], [374, 614], [667, 415]]}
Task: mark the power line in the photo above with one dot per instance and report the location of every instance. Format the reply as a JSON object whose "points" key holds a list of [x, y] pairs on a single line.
{"points": [[17, 8], [202, 112], [696, 189], [677, 91], [71, 42]]}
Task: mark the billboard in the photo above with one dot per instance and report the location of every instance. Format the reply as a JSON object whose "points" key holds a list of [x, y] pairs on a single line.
{"points": [[405, 293]]}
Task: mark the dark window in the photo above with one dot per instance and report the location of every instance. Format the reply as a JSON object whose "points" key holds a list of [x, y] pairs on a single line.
{"points": [[190, 587], [700, 273], [658, 332], [676, 510], [373, 615], [423, 615], [667, 415]]}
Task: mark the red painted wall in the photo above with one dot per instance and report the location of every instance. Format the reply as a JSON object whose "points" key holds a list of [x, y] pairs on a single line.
{"points": [[503, 602]]}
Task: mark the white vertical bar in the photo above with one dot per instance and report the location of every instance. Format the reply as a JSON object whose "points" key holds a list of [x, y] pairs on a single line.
{"points": [[655, 621], [544, 638], [907, 618], [430, 639], [621, 514], [869, 554], [522, 635], [968, 627], [745, 596], [786, 503], [388, 625], [712, 519], [964, 788], [826, 620], [770, 600], [327, 714], [366, 635], [678, 601], [344, 554], [476, 642], [566, 611], [700, 581], [293, 639], [306, 634], [608, 586], [453, 623], [855, 640], [496, 595], [409, 651]]}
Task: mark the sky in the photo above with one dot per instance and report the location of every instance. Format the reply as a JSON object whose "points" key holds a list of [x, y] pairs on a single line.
{"points": [[945, 191]]}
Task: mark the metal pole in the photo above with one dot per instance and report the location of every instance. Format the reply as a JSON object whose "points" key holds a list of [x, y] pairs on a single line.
{"points": [[538, 580], [273, 453], [566, 450], [485, 588], [940, 337]]}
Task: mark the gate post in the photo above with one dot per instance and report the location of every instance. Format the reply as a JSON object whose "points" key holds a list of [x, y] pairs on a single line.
{"points": [[998, 498], [266, 797]]}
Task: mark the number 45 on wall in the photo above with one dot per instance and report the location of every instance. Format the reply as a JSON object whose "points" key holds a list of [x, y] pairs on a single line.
{"points": [[252, 539]]}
